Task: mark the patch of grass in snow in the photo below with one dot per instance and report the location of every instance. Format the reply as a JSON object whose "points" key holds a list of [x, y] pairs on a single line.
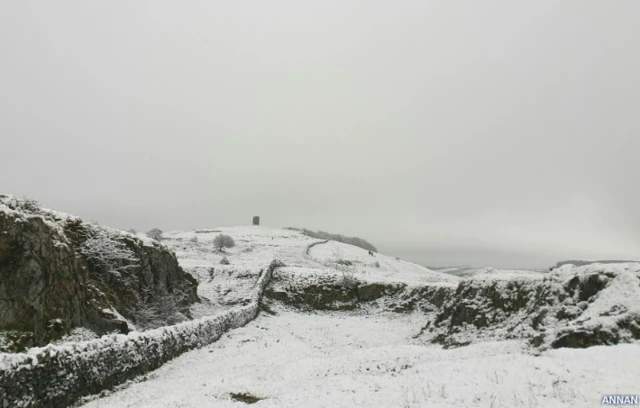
{"points": [[245, 397]]}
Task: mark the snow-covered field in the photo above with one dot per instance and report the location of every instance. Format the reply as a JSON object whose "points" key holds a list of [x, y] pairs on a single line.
{"points": [[363, 358], [342, 360], [223, 286], [376, 267]]}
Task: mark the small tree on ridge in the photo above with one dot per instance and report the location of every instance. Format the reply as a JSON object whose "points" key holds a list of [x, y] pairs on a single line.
{"points": [[155, 234], [223, 241]]}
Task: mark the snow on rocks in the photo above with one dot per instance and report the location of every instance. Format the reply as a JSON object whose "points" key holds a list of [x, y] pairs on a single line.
{"points": [[338, 275], [378, 350], [573, 306], [338, 359], [356, 352], [57, 375], [607, 305]]}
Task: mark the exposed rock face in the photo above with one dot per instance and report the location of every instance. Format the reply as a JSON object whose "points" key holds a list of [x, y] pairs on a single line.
{"points": [[577, 307], [328, 294], [574, 306], [50, 283], [334, 292], [58, 376], [43, 284]]}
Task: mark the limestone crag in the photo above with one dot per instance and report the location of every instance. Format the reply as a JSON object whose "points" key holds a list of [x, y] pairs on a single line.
{"points": [[58, 272]]}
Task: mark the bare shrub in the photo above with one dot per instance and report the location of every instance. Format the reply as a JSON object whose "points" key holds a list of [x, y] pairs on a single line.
{"points": [[153, 310], [155, 233], [29, 204], [194, 239], [223, 241], [376, 264], [338, 253], [224, 261], [348, 279], [105, 251]]}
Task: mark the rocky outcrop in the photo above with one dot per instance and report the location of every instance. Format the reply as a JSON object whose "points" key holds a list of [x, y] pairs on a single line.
{"points": [[43, 284], [58, 272], [336, 291], [328, 293], [595, 304], [58, 376]]}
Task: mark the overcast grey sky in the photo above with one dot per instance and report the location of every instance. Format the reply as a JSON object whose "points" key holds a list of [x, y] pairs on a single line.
{"points": [[501, 133]]}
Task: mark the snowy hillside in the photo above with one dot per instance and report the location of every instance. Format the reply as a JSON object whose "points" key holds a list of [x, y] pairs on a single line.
{"points": [[345, 328], [342, 327], [256, 244], [374, 266], [221, 286]]}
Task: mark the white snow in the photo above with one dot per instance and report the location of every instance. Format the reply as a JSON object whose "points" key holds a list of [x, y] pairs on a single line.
{"points": [[506, 274], [377, 267], [568, 271], [366, 358], [341, 360], [256, 246]]}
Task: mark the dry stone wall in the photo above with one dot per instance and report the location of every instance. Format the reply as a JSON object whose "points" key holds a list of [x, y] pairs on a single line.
{"points": [[57, 376]]}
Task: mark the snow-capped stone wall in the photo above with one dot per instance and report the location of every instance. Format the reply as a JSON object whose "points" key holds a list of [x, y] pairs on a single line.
{"points": [[57, 376]]}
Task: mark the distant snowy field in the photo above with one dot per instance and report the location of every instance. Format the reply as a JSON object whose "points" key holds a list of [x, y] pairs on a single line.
{"points": [[256, 246], [356, 359], [469, 271], [377, 267]]}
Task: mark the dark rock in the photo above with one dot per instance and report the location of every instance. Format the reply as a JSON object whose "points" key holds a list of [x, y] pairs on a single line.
{"points": [[278, 295], [539, 318], [568, 312], [537, 340], [586, 286], [48, 285], [41, 279], [582, 338], [372, 291]]}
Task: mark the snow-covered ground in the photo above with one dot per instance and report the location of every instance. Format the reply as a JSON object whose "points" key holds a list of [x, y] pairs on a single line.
{"points": [[257, 244], [343, 360], [223, 286], [364, 358], [375, 266], [469, 271]]}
